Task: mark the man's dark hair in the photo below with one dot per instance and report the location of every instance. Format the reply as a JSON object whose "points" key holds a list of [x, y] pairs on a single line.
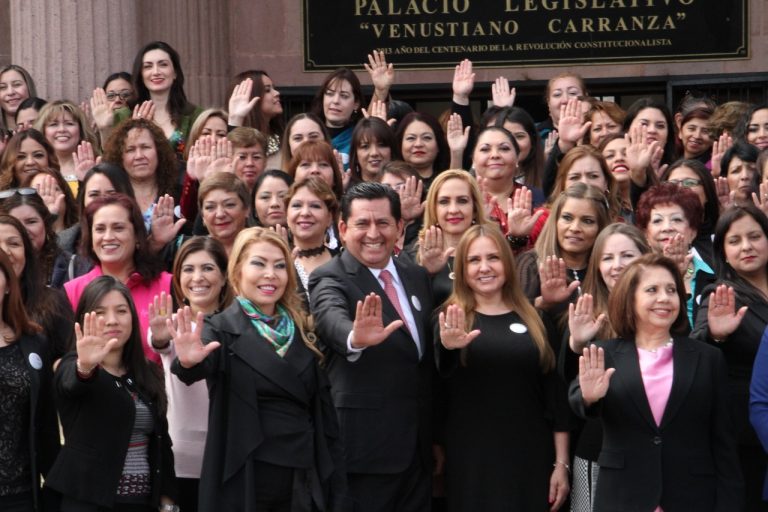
{"points": [[370, 190]]}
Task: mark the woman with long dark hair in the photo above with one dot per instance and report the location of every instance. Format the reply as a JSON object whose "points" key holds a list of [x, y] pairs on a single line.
{"points": [[732, 316], [26, 152], [29, 430], [255, 102], [114, 238], [46, 306], [112, 406]]}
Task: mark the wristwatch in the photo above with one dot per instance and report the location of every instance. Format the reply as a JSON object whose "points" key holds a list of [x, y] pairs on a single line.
{"points": [[169, 508]]}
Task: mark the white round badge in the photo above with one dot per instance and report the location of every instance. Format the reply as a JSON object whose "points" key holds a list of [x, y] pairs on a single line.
{"points": [[416, 303], [518, 328], [35, 361]]}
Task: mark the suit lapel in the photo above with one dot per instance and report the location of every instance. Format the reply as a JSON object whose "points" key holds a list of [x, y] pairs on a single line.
{"points": [[684, 361], [363, 278], [415, 295], [257, 353], [627, 367]]}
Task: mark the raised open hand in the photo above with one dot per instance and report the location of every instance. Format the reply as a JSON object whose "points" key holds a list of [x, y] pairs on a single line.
{"points": [[501, 94], [84, 158], [433, 253], [160, 310], [761, 199], [92, 344], [376, 109], [223, 153], [456, 135], [572, 126], [452, 329], [725, 197], [640, 154], [368, 327], [190, 349], [520, 215], [582, 322], [200, 158], [241, 103], [463, 82], [145, 110], [594, 379], [719, 147], [554, 282], [101, 110], [676, 249], [382, 74], [722, 317], [51, 194], [550, 142], [163, 225], [411, 205]]}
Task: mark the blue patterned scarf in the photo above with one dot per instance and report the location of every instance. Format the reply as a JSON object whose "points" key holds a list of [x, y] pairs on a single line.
{"points": [[278, 329]]}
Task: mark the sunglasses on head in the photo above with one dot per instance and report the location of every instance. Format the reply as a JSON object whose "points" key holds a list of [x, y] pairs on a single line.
{"points": [[26, 191]]}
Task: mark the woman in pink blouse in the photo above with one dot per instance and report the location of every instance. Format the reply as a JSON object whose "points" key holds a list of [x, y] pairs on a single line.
{"points": [[668, 443], [114, 237]]}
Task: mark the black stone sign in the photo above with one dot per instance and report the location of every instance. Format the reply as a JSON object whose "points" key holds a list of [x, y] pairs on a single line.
{"points": [[419, 34]]}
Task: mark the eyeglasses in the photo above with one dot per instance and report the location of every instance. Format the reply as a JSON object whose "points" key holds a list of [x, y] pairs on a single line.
{"points": [[5, 194], [686, 183], [124, 95]]}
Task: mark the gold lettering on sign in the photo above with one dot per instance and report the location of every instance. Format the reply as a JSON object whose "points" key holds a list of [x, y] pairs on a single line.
{"points": [[603, 24], [567, 5], [410, 7]]}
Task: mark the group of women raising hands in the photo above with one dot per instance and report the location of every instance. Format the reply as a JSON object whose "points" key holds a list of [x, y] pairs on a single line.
{"points": [[601, 277]]}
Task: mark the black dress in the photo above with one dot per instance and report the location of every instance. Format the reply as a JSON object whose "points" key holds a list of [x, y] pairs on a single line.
{"points": [[502, 413]]}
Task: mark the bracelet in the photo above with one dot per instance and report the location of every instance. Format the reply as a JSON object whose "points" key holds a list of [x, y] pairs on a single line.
{"points": [[567, 467], [169, 508], [516, 242], [83, 372]]}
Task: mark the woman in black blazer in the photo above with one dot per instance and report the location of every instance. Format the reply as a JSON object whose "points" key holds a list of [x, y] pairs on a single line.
{"points": [[273, 438], [732, 316], [28, 429], [117, 454], [662, 399]]}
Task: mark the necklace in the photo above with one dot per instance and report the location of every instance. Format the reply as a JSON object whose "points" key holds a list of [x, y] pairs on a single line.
{"points": [[667, 344], [451, 274], [308, 253]]}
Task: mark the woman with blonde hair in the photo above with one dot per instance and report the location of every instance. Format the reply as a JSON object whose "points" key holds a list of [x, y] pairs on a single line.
{"points": [[499, 366], [65, 126], [268, 349], [453, 205]]}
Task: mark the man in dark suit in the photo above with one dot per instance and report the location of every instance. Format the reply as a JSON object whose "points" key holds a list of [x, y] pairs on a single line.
{"points": [[372, 315]]}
